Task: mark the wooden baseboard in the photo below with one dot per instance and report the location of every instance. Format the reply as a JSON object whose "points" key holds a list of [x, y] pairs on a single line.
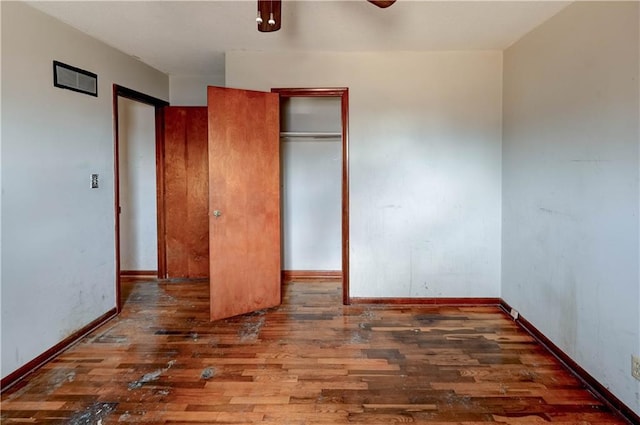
{"points": [[35, 364], [427, 301], [151, 273], [599, 390], [311, 276]]}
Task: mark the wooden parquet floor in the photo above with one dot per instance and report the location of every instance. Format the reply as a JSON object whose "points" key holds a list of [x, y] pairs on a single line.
{"points": [[310, 361]]}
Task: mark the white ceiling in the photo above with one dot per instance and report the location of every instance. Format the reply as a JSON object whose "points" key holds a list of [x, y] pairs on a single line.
{"points": [[190, 37]]}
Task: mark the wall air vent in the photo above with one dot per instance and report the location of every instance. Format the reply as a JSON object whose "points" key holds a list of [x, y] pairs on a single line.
{"points": [[76, 79]]}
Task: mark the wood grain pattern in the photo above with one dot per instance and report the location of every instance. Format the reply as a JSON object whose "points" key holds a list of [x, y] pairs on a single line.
{"points": [[427, 301], [309, 361], [345, 195], [153, 273], [160, 193], [186, 192], [311, 276], [244, 185]]}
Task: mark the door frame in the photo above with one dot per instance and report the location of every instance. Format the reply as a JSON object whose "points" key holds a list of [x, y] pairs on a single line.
{"points": [[158, 104], [343, 94]]}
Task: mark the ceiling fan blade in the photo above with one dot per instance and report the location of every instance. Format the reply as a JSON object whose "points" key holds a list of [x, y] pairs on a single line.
{"points": [[382, 3], [269, 10]]}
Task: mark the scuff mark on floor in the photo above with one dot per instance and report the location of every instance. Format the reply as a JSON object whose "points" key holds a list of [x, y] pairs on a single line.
{"points": [[58, 378], [150, 377], [112, 339], [358, 338], [368, 315], [187, 335], [208, 373], [251, 329], [92, 415], [184, 280], [528, 376]]}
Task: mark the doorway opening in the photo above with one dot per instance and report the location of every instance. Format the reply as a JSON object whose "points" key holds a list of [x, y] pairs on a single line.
{"points": [[138, 186], [315, 192]]}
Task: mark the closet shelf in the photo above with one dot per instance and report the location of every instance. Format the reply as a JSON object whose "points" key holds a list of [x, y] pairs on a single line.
{"points": [[310, 134]]}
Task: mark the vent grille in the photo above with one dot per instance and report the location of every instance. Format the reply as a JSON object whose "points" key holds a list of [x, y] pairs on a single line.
{"points": [[76, 79]]}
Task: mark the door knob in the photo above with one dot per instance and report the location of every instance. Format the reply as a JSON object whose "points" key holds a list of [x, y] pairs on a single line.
{"points": [[217, 213]]}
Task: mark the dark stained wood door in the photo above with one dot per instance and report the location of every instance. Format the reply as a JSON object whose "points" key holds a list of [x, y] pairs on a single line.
{"points": [[244, 201], [186, 196]]}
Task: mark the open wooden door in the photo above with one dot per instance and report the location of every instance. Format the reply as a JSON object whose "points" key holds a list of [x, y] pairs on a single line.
{"points": [[244, 201]]}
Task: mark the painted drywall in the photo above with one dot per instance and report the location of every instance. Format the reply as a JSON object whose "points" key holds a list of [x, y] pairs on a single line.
{"points": [[137, 169], [58, 240], [311, 204], [424, 163], [191, 90], [638, 240], [311, 114], [570, 187]]}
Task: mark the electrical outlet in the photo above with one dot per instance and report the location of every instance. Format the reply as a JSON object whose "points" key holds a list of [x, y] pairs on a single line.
{"points": [[635, 367], [94, 181], [514, 313]]}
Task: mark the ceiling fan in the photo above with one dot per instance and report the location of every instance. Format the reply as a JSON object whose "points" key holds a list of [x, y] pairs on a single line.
{"points": [[270, 13]]}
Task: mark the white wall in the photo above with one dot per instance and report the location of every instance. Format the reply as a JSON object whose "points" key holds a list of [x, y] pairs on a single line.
{"points": [[191, 90], [137, 169], [570, 187], [424, 160], [58, 244], [311, 207]]}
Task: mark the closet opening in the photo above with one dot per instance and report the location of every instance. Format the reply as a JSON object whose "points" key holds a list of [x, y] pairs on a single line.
{"points": [[314, 185]]}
